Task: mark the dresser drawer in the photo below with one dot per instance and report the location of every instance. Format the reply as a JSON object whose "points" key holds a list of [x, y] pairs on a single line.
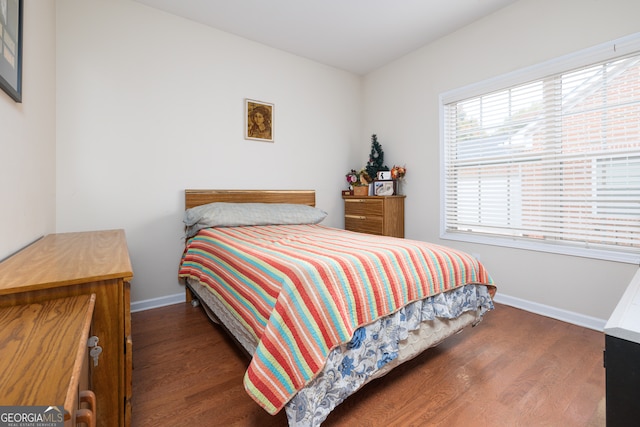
{"points": [[364, 207], [363, 224], [43, 357]]}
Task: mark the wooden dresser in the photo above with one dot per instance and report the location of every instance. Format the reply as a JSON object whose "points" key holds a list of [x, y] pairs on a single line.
{"points": [[72, 264], [382, 215], [44, 358]]}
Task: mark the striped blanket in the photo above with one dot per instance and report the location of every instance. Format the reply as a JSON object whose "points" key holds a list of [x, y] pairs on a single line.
{"points": [[301, 290]]}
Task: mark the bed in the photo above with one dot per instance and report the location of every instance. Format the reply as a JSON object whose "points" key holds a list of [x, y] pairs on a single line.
{"points": [[320, 311]]}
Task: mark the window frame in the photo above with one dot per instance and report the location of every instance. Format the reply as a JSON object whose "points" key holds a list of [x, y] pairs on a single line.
{"points": [[604, 52]]}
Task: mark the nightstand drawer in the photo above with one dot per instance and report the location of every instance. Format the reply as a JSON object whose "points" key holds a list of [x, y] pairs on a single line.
{"points": [[363, 224], [366, 207]]}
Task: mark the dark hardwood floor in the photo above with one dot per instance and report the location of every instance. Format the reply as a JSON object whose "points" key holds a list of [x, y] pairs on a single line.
{"points": [[513, 369]]}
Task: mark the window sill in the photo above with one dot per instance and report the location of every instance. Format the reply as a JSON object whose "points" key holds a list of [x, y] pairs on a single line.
{"points": [[600, 254]]}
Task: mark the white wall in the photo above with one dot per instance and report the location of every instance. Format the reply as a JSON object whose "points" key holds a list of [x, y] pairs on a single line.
{"points": [[401, 105], [27, 141], [149, 104]]}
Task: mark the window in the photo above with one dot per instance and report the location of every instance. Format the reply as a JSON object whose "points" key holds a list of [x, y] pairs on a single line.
{"points": [[551, 162]]}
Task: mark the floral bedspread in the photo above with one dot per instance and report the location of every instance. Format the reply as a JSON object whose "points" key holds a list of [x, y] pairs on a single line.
{"points": [[350, 365]]}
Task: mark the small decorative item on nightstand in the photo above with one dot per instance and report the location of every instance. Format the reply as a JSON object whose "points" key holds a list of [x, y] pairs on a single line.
{"points": [[375, 179], [383, 188], [360, 190], [397, 174], [384, 176], [358, 182]]}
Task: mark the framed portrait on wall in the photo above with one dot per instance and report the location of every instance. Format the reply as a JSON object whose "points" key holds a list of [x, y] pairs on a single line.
{"points": [[259, 124], [11, 48]]}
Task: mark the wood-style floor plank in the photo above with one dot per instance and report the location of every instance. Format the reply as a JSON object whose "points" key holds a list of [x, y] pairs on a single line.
{"points": [[514, 369]]}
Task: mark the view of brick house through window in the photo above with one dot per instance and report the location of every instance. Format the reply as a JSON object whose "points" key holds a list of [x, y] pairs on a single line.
{"points": [[554, 160]]}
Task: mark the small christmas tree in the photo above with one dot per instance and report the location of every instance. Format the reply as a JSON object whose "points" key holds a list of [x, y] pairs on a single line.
{"points": [[376, 159]]}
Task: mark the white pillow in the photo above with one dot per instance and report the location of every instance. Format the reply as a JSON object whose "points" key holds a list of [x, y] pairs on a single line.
{"points": [[223, 214]]}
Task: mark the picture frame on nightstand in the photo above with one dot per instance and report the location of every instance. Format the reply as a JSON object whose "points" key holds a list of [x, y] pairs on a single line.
{"points": [[383, 176], [384, 188]]}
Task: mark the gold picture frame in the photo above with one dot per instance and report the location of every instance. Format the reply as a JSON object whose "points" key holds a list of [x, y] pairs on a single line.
{"points": [[259, 123]]}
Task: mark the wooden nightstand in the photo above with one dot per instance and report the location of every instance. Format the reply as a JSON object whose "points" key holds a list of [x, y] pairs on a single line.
{"points": [[72, 264], [381, 215]]}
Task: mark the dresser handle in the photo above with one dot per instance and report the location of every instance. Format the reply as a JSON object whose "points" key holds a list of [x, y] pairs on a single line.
{"points": [[355, 200], [88, 397], [85, 416], [355, 217]]}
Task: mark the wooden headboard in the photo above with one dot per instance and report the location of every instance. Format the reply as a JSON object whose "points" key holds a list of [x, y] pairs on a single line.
{"points": [[194, 198]]}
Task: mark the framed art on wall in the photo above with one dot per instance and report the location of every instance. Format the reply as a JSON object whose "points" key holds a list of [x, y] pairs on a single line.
{"points": [[259, 120], [11, 48]]}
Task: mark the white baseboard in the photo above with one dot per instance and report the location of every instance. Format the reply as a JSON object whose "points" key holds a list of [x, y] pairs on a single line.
{"points": [[157, 302], [553, 312], [533, 307]]}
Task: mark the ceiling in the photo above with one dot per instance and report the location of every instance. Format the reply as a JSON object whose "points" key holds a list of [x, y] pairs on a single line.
{"points": [[353, 35]]}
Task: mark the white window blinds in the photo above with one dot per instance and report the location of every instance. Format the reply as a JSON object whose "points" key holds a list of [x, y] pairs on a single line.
{"points": [[555, 160]]}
